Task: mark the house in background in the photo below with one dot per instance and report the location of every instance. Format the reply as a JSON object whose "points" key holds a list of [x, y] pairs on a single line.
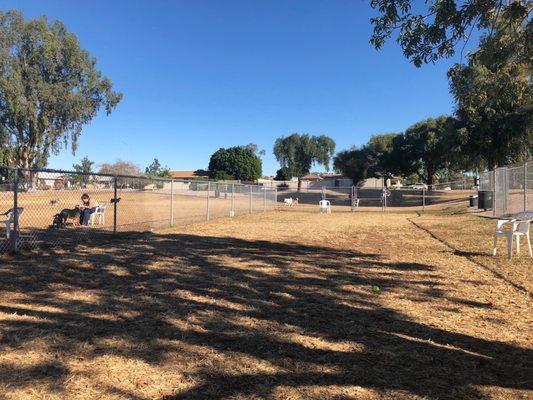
{"points": [[311, 178], [190, 175], [50, 180]]}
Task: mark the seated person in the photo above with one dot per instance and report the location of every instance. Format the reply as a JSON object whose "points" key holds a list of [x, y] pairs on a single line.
{"points": [[86, 208]]}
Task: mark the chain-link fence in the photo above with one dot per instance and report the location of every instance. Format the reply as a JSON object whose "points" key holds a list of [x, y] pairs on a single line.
{"points": [[349, 198], [52, 207], [509, 188]]}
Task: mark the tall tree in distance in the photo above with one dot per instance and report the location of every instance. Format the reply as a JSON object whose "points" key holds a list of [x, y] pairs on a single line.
{"points": [[255, 148], [84, 169], [121, 167], [424, 149], [156, 170], [354, 163], [298, 153], [370, 161], [49, 88], [431, 30]]}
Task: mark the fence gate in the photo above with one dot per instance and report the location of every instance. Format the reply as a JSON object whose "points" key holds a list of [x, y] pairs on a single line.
{"points": [[501, 190]]}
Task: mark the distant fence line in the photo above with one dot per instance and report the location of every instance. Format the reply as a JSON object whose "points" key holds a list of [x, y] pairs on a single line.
{"points": [[510, 187], [419, 196], [31, 200]]}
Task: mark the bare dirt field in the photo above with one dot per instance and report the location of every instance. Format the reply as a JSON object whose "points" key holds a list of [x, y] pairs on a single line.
{"points": [[278, 305]]}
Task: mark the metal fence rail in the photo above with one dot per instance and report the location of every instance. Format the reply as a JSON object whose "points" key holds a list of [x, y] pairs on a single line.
{"points": [[31, 200], [511, 188]]}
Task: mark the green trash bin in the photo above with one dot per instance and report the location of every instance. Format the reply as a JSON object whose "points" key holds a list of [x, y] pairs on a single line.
{"points": [[484, 199]]}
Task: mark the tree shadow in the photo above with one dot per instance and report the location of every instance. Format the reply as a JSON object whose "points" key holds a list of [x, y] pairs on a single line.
{"points": [[135, 294]]}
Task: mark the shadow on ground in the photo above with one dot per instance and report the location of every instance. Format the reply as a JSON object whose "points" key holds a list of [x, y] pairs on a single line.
{"points": [[148, 282]]}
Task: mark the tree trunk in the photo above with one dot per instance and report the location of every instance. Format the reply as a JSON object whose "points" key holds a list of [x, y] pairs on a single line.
{"points": [[299, 184]]}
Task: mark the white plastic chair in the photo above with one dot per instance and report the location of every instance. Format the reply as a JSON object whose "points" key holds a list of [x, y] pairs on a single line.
{"points": [[324, 206], [10, 219], [98, 214], [517, 228]]}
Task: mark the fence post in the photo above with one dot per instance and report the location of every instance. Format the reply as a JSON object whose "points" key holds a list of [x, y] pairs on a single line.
{"points": [[506, 190], [232, 212], [15, 234], [423, 199], [251, 208], [207, 205], [323, 192], [352, 197], [172, 202], [264, 199], [115, 204], [525, 187], [494, 192]]}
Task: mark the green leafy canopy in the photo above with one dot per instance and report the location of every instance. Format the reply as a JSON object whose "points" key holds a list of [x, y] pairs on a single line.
{"points": [[428, 31], [240, 162], [298, 153], [49, 88]]}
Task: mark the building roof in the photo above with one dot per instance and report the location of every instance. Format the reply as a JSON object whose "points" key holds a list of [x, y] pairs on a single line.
{"points": [[187, 174], [334, 176], [310, 177]]}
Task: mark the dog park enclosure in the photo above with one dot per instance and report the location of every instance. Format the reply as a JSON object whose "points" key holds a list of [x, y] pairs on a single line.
{"points": [[130, 203]]}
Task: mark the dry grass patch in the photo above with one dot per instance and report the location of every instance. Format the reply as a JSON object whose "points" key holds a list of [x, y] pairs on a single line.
{"points": [[278, 305]]}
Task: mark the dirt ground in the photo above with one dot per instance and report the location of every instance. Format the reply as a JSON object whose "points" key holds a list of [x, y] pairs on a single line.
{"points": [[277, 305], [137, 210]]}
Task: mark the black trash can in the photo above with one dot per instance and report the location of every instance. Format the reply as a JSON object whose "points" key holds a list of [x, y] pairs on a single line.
{"points": [[485, 199], [473, 201]]}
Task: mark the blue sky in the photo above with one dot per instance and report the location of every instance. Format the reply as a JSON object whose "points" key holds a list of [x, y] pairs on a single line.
{"points": [[199, 75]]}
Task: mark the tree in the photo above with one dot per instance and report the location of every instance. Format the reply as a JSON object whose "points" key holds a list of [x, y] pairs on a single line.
{"points": [[494, 97], [49, 88], [284, 174], [155, 170], [431, 30], [84, 168], [239, 162], [379, 148], [299, 153], [255, 149], [424, 149], [120, 167], [354, 163]]}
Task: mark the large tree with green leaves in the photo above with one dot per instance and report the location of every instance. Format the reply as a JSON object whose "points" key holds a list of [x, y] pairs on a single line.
{"points": [[240, 162], [371, 160], [494, 97], [431, 30], [298, 153], [355, 163], [49, 88], [425, 149]]}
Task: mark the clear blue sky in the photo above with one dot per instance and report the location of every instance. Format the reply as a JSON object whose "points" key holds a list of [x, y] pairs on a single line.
{"points": [[198, 75]]}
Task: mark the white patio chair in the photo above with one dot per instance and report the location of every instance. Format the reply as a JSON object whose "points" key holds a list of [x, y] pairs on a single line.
{"points": [[324, 206], [517, 228], [98, 214], [10, 214]]}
